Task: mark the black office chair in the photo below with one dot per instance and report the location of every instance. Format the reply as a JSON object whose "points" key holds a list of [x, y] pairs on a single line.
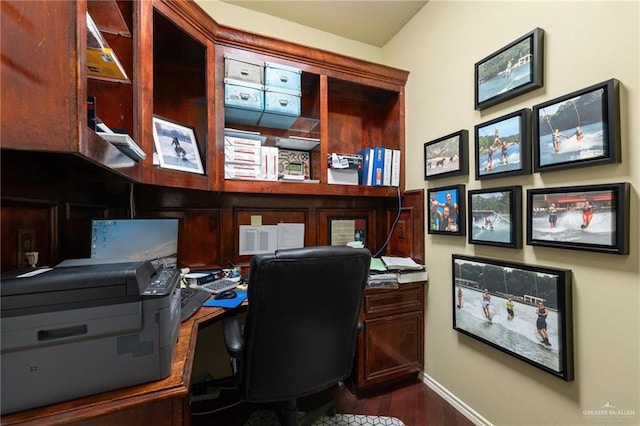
{"points": [[301, 327]]}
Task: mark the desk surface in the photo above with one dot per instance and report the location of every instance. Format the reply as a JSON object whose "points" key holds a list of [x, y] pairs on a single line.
{"points": [[174, 386]]}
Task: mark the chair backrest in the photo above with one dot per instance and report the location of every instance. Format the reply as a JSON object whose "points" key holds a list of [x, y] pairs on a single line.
{"points": [[302, 322]]}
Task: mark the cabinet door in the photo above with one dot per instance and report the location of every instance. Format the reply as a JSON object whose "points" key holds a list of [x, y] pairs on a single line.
{"points": [[392, 348], [39, 73]]}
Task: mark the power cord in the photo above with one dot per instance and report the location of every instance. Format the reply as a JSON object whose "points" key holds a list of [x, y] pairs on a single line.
{"points": [[393, 225]]}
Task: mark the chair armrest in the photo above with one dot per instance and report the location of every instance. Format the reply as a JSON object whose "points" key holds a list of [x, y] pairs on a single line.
{"points": [[232, 334]]}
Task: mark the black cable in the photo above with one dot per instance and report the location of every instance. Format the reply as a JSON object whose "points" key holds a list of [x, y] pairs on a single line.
{"points": [[393, 225]]}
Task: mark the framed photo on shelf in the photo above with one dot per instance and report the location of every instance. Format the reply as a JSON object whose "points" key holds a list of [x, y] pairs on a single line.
{"points": [[578, 129], [176, 145], [511, 71], [522, 310], [502, 146], [591, 217], [447, 156], [348, 231], [495, 216], [446, 210]]}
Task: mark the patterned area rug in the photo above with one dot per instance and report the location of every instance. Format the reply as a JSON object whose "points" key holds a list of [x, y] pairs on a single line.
{"points": [[269, 418]]}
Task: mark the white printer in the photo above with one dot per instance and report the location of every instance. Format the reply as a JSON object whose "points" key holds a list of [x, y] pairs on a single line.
{"points": [[81, 328]]}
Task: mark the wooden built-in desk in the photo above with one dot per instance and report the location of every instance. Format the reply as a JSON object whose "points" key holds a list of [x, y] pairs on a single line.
{"points": [[163, 402]]}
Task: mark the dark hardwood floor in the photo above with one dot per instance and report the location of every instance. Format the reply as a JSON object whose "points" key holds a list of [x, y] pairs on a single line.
{"points": [[413, 403]]}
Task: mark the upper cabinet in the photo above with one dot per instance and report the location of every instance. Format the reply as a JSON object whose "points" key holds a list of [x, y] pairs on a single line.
{"points": [[179, 79], [47, 92]]}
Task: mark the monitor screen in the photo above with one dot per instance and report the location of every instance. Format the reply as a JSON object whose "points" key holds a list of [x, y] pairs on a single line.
{"points": [[136, 239]]}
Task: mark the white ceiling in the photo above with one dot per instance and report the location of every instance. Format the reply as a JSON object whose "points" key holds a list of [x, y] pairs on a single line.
{"points": [[372, 22]]}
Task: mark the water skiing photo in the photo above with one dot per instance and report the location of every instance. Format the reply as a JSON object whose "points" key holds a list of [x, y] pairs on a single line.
{"points": [[520, 309], [502, 146], [176, 146], [591, 218], [578, 129], [511, 71], [495, 217]]}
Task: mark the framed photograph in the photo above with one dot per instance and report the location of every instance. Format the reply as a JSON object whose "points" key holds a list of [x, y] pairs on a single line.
{"points": [[522, 310], [447, 156], [578, 129], [502, 146], [511, 71], [176, 146], [446, 210], [592, 217], [495, 216], [350, 231]]}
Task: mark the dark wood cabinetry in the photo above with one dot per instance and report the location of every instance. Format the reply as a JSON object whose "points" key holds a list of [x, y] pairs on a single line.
{"points": [[58, 173], [392, 342]]}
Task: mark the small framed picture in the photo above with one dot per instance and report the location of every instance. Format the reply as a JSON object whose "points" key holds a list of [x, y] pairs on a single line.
{"points": [[495, 216], [176, 146], [446, 210], [578, 129], [511, 71], [447, 156], [522, 310], [502, 146], [592, 217]]}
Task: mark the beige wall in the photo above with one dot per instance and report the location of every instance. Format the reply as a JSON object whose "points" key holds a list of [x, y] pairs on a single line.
{"points": [[585, 43]]}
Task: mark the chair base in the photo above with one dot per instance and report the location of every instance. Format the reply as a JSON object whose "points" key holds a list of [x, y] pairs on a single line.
{"points": [[288, 413]]}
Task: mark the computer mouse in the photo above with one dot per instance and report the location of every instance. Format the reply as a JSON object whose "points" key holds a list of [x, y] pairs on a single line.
{"points": [[229, 294]]}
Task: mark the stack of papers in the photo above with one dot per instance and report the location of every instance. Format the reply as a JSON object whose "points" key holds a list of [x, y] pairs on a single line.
{"points": [[401, 263]]}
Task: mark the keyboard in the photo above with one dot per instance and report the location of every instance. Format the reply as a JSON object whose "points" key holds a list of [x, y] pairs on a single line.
{"points": [[191, 299], [219, 285]]}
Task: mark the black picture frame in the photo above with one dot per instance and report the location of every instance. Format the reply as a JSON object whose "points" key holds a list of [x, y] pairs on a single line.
{"points": [[588, 124], [447, 156], [502, 146], [516, 329], [556, 217], [495, 216], [443, 199], [511, 71]]}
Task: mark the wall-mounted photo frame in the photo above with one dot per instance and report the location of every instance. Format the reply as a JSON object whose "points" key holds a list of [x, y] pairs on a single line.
{"points": [[502, 146], [176, 145], [348, 231], [522, 310], [578, 129], [447, 156], [446, 210], [495, 216], [511, 71], [590, 217]]}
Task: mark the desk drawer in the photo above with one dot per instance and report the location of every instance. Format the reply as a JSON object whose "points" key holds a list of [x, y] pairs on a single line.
{"points": [[389, 302]]}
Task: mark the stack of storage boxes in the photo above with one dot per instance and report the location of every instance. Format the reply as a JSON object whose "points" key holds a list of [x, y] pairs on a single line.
{"points": [[246, 158], [243, 90], [282, 96], [264, 94]]}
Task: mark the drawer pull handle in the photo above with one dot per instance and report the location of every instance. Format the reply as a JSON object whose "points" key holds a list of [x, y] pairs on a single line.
{"points": [[284, 78], [244, 71], [244, 96], [284, 102]]}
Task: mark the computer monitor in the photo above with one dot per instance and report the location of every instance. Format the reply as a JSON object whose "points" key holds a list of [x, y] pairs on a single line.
{"points": [[136, 239]]}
